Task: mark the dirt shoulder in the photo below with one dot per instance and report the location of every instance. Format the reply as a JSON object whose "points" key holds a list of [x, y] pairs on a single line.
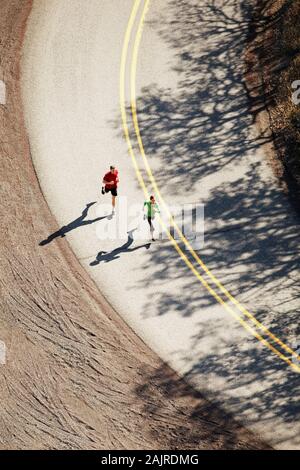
{"points": [[75, 375], [273, 59]]}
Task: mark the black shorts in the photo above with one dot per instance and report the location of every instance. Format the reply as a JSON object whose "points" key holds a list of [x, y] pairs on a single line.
{"points": [[114, 191], [150, 222]]}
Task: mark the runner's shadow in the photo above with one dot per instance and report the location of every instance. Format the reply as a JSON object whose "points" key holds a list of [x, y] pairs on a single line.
{"points": [[106, 257], [79, 222]]}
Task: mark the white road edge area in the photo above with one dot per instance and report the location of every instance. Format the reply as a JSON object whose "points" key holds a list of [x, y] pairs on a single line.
{"points": [[70, 82]]}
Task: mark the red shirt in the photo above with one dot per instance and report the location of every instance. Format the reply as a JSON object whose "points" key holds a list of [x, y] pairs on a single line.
{"points": [[111, 177]]}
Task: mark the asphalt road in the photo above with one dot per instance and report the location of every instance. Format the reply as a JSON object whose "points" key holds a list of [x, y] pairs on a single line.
{"points": [[202, 148]]}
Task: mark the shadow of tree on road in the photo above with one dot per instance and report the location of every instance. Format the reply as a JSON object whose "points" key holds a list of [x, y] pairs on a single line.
{"points": [[200, 130], [184, 130], [251, 250]]}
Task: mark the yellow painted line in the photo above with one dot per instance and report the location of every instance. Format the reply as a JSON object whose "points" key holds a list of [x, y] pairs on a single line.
{"points": [[154, 185]]}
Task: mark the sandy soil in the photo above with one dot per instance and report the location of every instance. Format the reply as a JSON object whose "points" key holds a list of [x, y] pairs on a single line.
{"points": [[76, 376]]}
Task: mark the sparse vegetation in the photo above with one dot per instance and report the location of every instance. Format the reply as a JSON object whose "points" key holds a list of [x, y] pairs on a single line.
{"points": [[272, 66], [278, 53], [287, 114]]}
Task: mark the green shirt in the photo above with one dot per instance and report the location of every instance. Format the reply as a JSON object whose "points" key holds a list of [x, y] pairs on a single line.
{"points": [[151, 209]]}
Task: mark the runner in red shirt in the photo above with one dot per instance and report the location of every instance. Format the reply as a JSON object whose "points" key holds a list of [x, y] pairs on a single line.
{"points": [[110, 182]]}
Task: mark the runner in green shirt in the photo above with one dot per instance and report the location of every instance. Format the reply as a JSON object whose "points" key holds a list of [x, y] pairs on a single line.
{"points": [[152, 208]]}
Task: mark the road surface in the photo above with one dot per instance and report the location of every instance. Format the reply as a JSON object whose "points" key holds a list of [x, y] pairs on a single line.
{"points": [[227, 321]]}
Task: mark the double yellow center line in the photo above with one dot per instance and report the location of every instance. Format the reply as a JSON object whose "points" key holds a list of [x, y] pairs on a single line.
{"points": [[197, 266]]}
